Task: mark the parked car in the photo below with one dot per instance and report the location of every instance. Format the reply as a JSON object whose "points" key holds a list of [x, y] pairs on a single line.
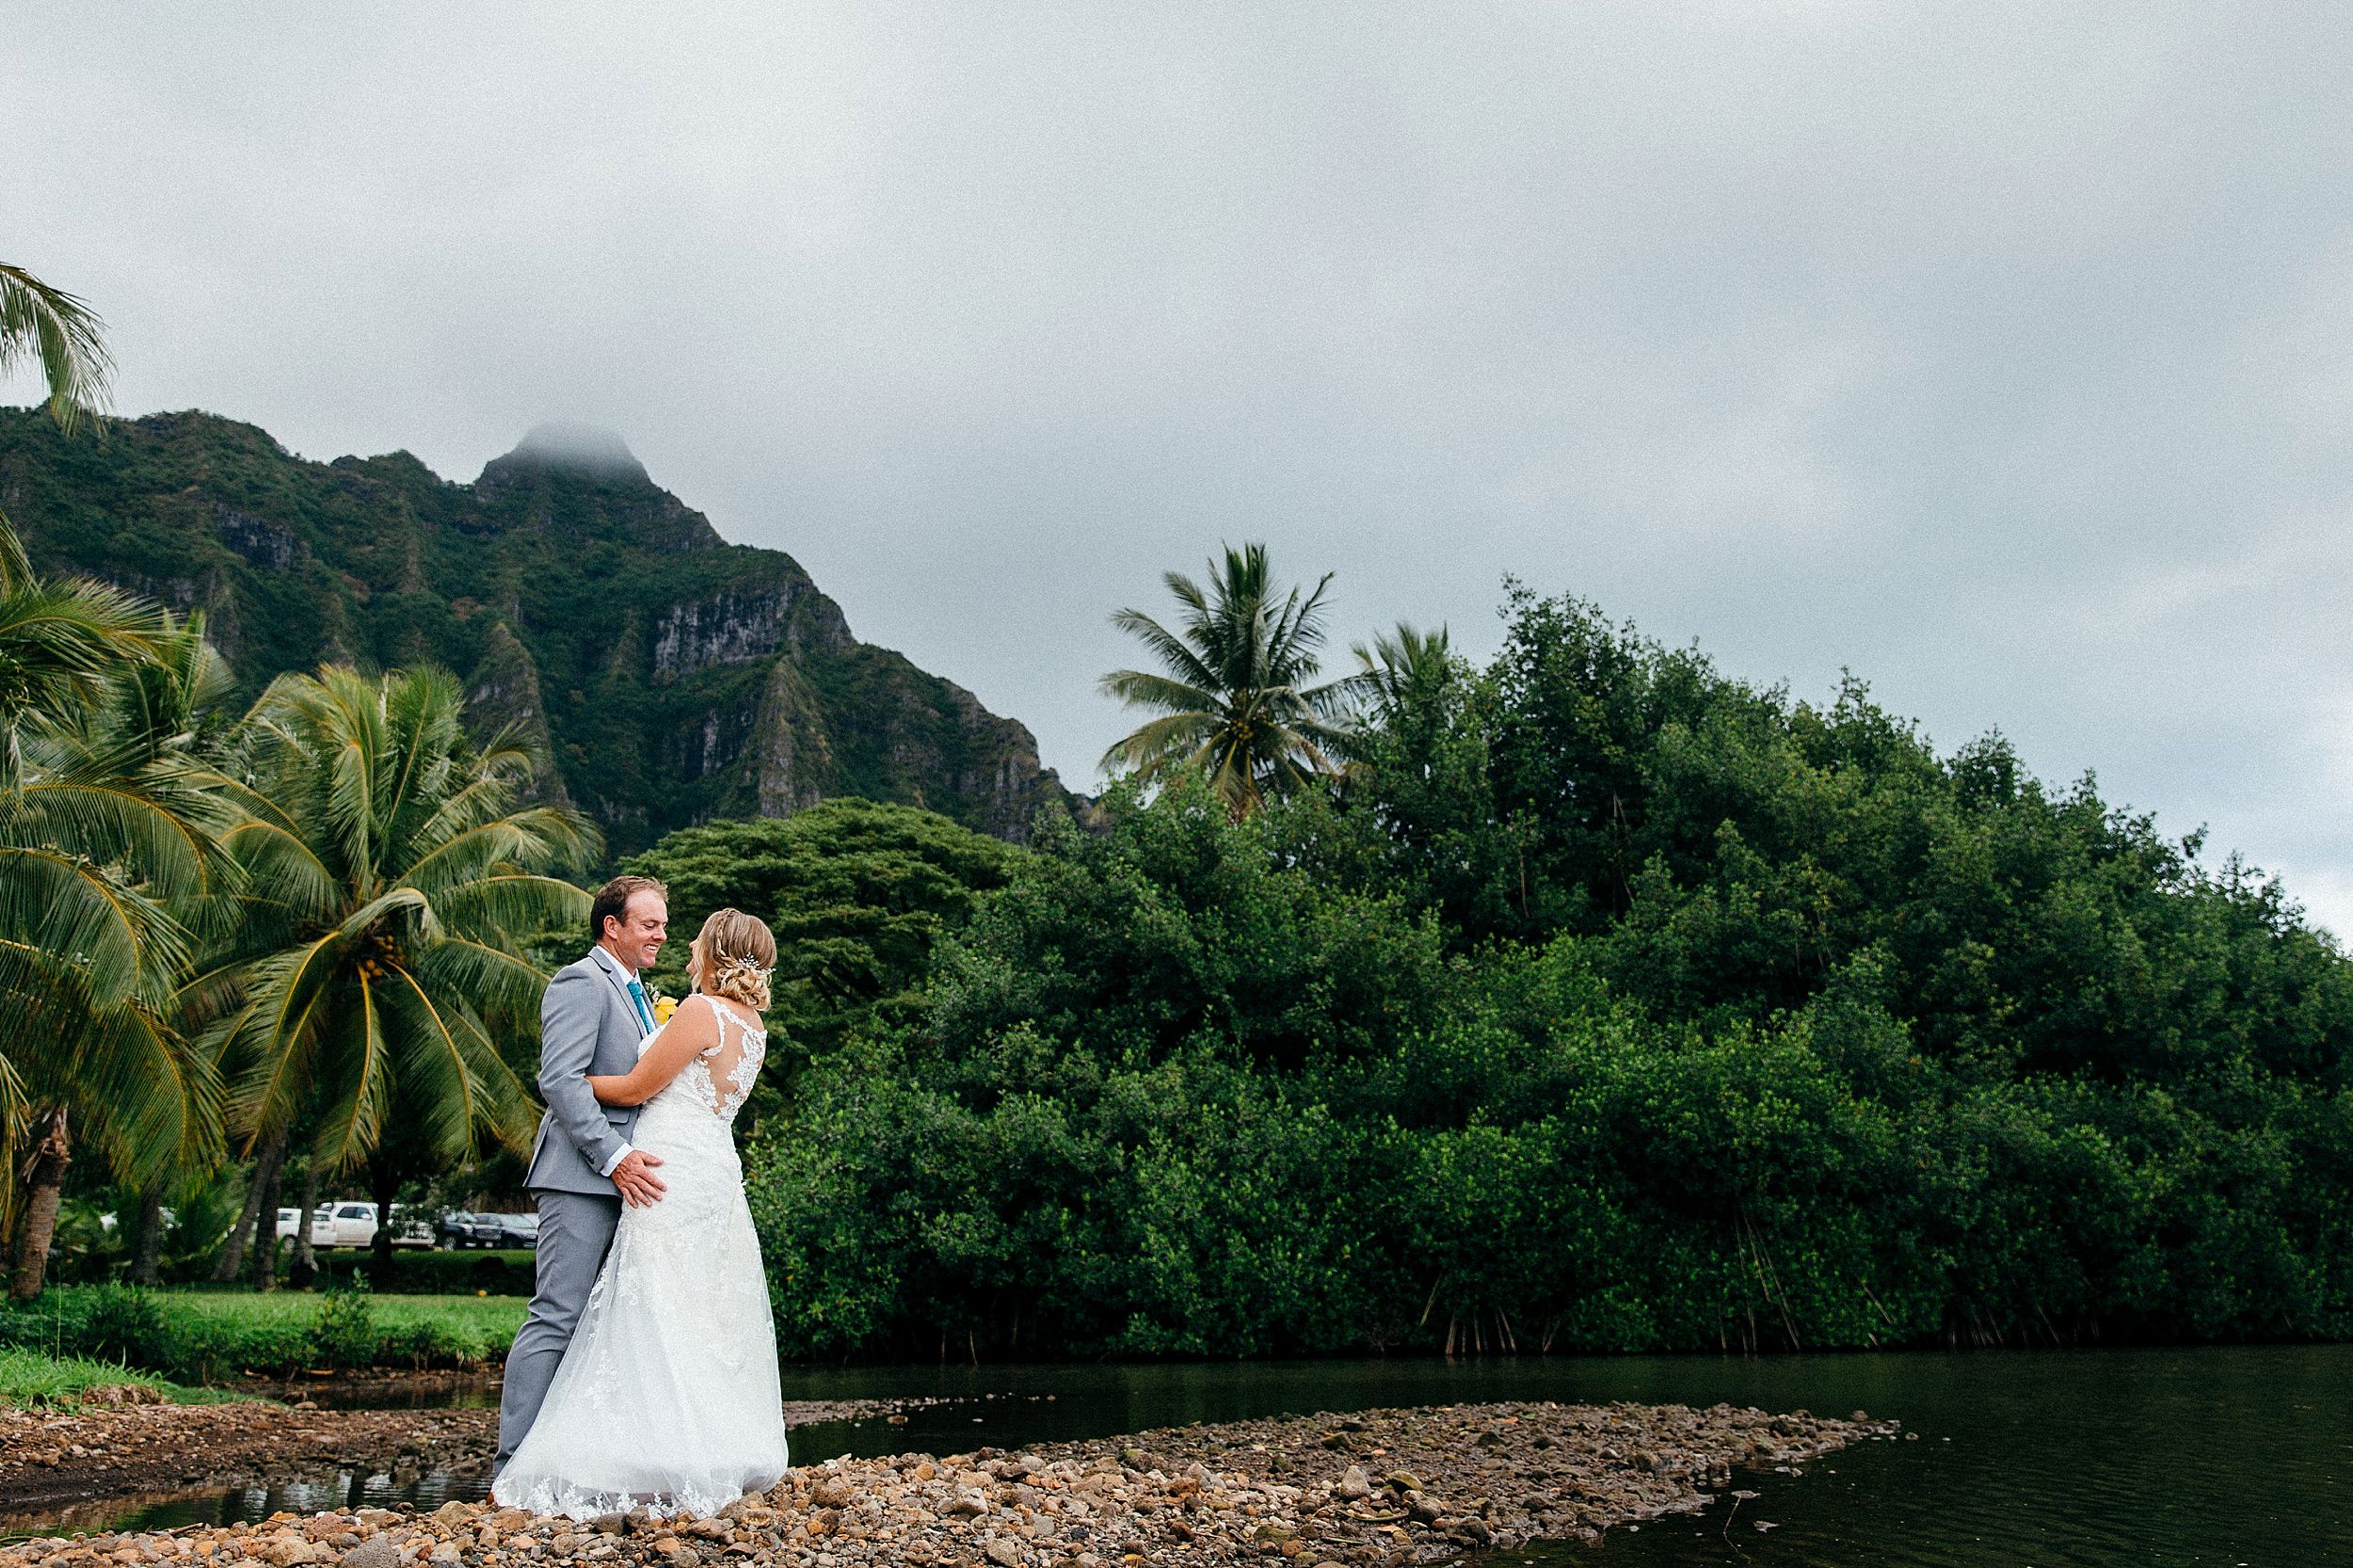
{"points": [[461, 1228], [411, 1227], [353, 1224], [107, 1221], [289, 1222], [344, 1224], [521, 1230]]}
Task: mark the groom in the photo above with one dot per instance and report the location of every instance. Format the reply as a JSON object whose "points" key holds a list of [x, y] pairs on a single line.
{"points": [[592, 1020]]}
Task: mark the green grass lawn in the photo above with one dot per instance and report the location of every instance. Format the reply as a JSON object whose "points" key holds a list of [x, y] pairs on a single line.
{"points": [[205, 1336], [484, 1325], [29, 1379]]}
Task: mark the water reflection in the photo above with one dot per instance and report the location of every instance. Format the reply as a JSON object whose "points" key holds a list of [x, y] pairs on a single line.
{"points": [[394, 1391], [347, 1490], [2096, 1460]]}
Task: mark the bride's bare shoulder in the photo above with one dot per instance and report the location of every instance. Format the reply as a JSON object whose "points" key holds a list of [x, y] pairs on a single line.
{"points": [[692, 1024]]}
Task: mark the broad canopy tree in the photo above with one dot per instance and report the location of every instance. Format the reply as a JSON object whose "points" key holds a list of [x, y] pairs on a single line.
{"points": [[860, 893]]}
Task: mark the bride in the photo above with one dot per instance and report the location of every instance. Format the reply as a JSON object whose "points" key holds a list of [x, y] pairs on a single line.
{"points": [[667, 1397]]}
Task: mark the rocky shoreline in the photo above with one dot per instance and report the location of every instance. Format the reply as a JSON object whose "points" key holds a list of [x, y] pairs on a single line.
{"points": [[1389, 1487], [127, 1442]]}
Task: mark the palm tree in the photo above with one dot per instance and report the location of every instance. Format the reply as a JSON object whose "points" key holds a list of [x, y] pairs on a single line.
{"points": [[110, 858], [379, 959], [58, 643], [1234, 700], [1400, 665], [47, 324], [99, 843]]}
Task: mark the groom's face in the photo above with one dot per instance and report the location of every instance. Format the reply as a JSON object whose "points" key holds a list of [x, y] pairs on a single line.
{"points": [[637, 936]]}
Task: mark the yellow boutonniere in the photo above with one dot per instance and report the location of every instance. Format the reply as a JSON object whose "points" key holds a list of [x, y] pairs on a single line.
{"points": [[663, 1007]]}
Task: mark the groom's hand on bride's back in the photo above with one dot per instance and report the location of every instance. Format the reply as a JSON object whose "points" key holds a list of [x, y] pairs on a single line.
{"points": [[634, 1177]]}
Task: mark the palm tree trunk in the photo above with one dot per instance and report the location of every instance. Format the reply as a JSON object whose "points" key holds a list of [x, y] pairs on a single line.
{"points": [[232, 1262], [265, 1222], [45, 1183], [305, 1267], [147, 1247], [384, 1178]]}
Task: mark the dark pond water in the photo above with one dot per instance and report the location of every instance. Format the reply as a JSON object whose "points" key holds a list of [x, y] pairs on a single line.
{"points": [[398, 1391], [2102, 1459]]}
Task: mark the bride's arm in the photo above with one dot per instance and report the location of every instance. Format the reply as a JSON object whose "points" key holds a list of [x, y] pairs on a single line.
{"points": [[690, 1032]]}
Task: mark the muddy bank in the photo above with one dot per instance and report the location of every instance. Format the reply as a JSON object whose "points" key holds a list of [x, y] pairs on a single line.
{"points": [[52, 1458], [1388, 1487]]}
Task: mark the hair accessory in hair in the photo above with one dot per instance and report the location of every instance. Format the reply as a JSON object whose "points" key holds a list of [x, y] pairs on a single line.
{"points": [[735, 966]]}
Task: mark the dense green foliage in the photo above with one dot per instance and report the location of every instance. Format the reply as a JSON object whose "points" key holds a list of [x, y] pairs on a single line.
{"points": [[205, 1336], [1612, 1003], [667, 677], [420, 1272]]}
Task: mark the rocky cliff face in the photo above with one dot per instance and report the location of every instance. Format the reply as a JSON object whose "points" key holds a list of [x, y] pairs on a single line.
{"points": [[743, 627], [665, 675]]}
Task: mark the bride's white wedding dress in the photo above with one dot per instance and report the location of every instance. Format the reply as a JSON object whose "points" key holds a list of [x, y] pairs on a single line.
{"points": [[667, 1397]]}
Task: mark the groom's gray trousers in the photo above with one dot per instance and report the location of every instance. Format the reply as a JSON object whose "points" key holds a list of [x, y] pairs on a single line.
{"points": [[575, 1232], [587, 1025]]}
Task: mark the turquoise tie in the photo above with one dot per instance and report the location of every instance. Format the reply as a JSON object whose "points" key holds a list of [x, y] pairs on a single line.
{"points": [[645, 1014]]}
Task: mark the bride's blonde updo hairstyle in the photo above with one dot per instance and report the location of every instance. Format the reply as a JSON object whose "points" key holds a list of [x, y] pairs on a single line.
{"points": [[739, 954]]}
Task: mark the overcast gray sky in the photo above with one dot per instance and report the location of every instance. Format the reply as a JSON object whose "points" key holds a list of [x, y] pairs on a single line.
{"points": [[2003, 354]]}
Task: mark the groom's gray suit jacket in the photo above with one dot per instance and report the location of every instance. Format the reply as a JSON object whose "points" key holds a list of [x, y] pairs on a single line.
{"points": [[587, 1024]]}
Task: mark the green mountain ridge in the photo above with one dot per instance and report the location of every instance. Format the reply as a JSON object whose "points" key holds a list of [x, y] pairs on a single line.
{"points": [[667, 677]]}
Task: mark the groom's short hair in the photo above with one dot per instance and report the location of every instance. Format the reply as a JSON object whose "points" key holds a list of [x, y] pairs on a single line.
{"points": [[612, 901]]}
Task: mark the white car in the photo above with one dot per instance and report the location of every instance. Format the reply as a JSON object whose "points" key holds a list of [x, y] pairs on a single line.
{"points": [[354, 1224], [343, 1224], [323, 1231]]}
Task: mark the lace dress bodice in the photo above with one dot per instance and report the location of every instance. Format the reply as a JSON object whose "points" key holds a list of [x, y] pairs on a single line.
{"points": [[719, 1079]]}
